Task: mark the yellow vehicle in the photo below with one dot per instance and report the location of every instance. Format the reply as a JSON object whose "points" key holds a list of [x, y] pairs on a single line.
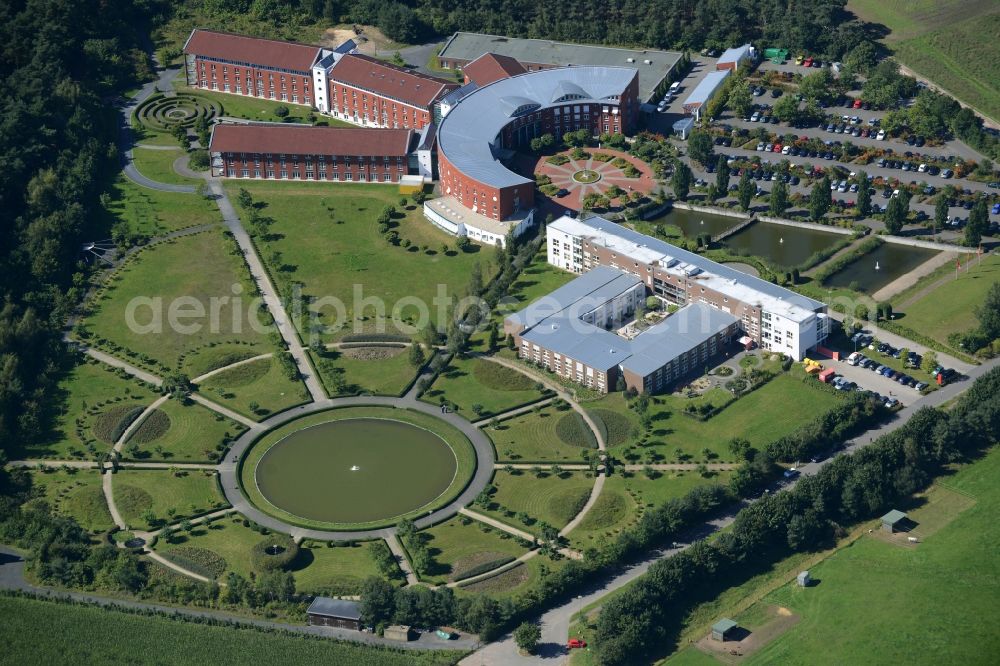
{"points": [[798, 59]]}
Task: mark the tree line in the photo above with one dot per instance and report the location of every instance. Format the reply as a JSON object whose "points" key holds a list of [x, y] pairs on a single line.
{"points": [[637, 624]]}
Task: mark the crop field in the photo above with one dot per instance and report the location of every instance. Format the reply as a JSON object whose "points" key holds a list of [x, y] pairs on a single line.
{"points": [[263, 382], [551, 499], [495, 388], [76, 493], [375, 370], [226, 537], [153, 213], [158, 165], [460, 545], [954, 43], [950, 307], [550, 435], [169, 496], [88, 389], [179, 432], [164, 272], [327, 238], [91, 635], [319, 569]]}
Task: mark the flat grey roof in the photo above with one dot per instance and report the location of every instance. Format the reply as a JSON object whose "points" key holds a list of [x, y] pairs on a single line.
{"points": [[600, 228], [708, 85], [735, 54], [677, 334], [602, 281], [724, 625], [471, 45], [343, 608], [893, 517], [583, 342], [467, 133]]}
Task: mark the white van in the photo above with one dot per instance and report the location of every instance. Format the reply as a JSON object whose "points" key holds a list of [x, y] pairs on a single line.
{"points": [[674, 87]]}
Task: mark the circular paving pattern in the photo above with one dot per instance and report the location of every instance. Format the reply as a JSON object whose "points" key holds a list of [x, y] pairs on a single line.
{"points": [[182, 110], [602, 173], [586, 176]]}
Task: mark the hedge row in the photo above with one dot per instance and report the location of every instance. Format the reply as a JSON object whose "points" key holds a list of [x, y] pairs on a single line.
{"points": [[483, 568]]}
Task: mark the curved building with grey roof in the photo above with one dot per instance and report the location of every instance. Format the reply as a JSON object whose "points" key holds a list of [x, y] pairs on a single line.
{"points": [[482, 128]]}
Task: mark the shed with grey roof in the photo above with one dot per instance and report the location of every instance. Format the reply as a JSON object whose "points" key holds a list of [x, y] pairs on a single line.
{"points": [[703, 93], [328, 612], [655, 67], [722, 628], [893, 520]]}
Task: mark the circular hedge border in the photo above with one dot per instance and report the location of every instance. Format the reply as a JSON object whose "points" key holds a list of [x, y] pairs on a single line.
{"points": [[465, 454]]}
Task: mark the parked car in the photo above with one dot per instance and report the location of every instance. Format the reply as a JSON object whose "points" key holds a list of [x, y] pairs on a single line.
{"points": [[575, 643]]}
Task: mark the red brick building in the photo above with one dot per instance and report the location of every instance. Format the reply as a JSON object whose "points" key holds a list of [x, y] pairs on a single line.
{"points": [[369, 92], [302, 152], [491, 67], [241, 65]]}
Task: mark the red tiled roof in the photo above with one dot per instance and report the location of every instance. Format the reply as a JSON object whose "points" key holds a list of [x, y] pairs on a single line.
{"points": [[388, 80], [240, 48], [491, 67], [309, 140]]}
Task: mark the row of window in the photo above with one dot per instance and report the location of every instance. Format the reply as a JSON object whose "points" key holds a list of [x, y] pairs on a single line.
{"points": [[310, 175], [257, 158]]}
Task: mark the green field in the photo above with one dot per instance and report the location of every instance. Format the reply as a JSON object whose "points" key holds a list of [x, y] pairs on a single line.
{"points": [[87, 390], [456, 440], [187, 493], [153, 213], [468, 382], [76, 493], [950, 308], [551, 499], [320, 569], [460, 544], [158, 165], [180, 432], [328, 240], [549, 435], [263, 382], [954, 43], [770, 412], [90, 635], [182, 272], [374, 370], [226, 537]]}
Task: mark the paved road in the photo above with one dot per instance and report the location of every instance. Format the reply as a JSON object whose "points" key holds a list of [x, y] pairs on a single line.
{"points": [[555, 622], [270, 295], [12, 578]]}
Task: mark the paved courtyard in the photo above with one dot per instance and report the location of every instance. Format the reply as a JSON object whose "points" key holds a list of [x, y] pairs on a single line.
{"points": [[586, 176]]}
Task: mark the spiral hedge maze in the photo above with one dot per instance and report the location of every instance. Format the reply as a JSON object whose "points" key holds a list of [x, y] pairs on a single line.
{"points": [[162, 113]]}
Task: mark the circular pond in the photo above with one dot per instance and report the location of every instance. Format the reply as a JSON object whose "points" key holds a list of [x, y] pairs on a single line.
{"points": [[355, 470], [586, 176]]}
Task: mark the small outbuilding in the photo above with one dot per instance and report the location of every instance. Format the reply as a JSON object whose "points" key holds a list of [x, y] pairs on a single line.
{"points": [[803, 579], [735, 58], [683, 127], [722, 628], [398, 632], [893, 520], [340, 613]]}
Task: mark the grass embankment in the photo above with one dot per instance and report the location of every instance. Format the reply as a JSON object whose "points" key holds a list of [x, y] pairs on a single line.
{"points": [[88, 634], [461, 547], [327, 239], [376, 370], [548, 435], [255, 389], [169, 496], [76, 493], [555, 500], [460, 445], [158, 165], [480, 388], [176, 274], [154, 213]]}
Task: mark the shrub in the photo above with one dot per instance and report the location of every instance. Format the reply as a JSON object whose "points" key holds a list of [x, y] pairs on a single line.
{"points": [[262, 561], [574, 431], [199, 160], [111, 424], [155, 426], [199, 560]]}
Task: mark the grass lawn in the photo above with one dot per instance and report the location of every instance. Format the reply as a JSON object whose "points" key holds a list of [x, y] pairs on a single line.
{"points": [[256, 108], [153, 213], [320, 569], [263, 382], [952, 42], [188, 493], [328, 240], [226, 537], [461, 446], [76, 493], [197, 267], [949, 308], [550, 499], [92, 635], [158, 165], [87, 390], [770, 412], [515, 581], [179, 432], [468, 382], [920, 605], [460, 544], [375, 370], [550, 435]]}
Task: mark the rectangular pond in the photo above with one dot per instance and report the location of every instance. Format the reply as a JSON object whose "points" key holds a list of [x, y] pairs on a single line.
{"points": [[692, 223], [785, 246], [880, 267]]}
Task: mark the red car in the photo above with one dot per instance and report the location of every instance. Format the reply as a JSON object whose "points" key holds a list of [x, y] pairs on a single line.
{"points": [[777, 147], [576, 643], [857, 103]]}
